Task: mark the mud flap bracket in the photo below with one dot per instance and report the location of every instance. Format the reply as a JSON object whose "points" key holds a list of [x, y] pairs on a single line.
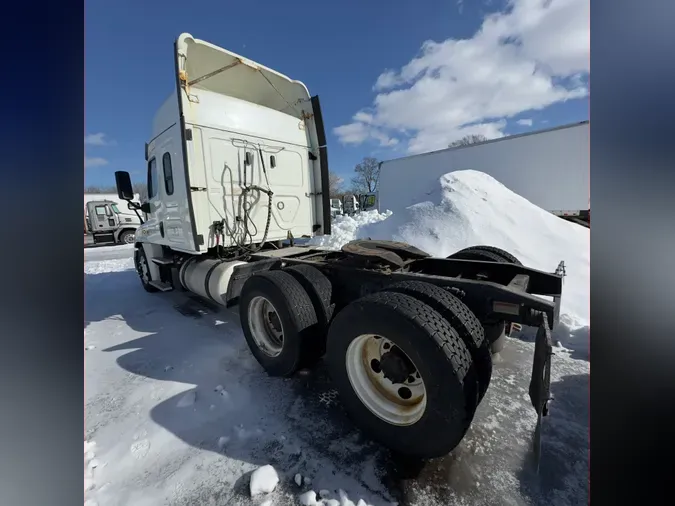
{"points": [[540, 382]]}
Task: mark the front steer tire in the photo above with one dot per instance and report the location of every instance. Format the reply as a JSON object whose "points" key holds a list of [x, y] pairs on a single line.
{"points": [[143, 269], [437, 352], [295, 313]]}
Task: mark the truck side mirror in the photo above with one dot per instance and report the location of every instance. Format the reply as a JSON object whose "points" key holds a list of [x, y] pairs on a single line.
{"points": [[145, 207], [123, 182]]}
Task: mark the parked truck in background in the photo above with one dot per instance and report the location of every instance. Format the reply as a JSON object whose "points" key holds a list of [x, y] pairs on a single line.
{"points": [[108, 223], [406, 337], [336, 208], [367, 201], [357, 202], [350, 204], [550, 168]]}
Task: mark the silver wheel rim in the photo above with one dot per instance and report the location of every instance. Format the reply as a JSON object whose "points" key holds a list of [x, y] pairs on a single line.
{"points": [[266, 327], [401, 404], [129, 238]]}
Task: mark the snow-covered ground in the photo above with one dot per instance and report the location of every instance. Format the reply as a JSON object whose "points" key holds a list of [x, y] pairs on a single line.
{"points": [[178, 412]]}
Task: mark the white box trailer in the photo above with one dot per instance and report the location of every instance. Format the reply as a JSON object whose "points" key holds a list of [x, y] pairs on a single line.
{"points": [[550, 168]]}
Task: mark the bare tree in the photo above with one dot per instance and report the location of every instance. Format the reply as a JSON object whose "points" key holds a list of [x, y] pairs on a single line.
{"points": [[334, 184], [467, 140], [367, 176]]}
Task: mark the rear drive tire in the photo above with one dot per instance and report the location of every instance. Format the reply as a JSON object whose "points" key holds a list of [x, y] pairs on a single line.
{"points": [[143, 269], [279, 322], [486, 253], [127, 237], [320, 291], [427, 418], [494, 334], [462, 319]]}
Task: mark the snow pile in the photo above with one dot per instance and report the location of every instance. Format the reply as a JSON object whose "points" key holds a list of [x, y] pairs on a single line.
{"points": [[116, 265], [470, 208], [90, 464], [263, 480], [310, 498], [344, 228], [102, 259], [473, 208]]}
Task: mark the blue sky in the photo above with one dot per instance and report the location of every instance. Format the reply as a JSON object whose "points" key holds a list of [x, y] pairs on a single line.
{"points": [[384, 92]]}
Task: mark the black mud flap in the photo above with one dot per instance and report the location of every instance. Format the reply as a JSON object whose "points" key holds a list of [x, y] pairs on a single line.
{"points": [[540, 383]]}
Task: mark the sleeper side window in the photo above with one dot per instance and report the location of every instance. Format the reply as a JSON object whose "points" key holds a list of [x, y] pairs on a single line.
{"points": [[152, 179], [168, 173]]}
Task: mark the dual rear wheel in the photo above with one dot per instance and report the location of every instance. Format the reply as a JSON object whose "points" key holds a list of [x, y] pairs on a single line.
{"points": [[410, 362]]}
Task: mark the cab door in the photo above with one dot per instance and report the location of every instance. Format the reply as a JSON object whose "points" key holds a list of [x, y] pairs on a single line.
{"points": [[101, 217], [169, 218]]}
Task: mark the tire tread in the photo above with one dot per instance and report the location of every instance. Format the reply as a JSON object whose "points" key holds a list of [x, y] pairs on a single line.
{"points": [[490, 253], [302, 314], [460, 318]]}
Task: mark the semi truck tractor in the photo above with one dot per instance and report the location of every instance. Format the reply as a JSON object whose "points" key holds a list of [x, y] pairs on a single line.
{"points": [[106, 222], [237, 164]]}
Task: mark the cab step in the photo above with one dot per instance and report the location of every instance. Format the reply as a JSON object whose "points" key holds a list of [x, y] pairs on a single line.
{"points": [[162, 261], [164, 287]]}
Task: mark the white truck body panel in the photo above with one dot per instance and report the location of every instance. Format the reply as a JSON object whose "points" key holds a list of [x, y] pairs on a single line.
{"points": [[241, 108], [550, 168]]}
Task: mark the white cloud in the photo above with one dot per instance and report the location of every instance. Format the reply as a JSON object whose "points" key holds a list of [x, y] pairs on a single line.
{"points": [[524, 122], [363, 117], [353, 133], [94, 162], [534, 54], [357, 132], [441, 138], [460, 6], [386, 79], [99, 139]]}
